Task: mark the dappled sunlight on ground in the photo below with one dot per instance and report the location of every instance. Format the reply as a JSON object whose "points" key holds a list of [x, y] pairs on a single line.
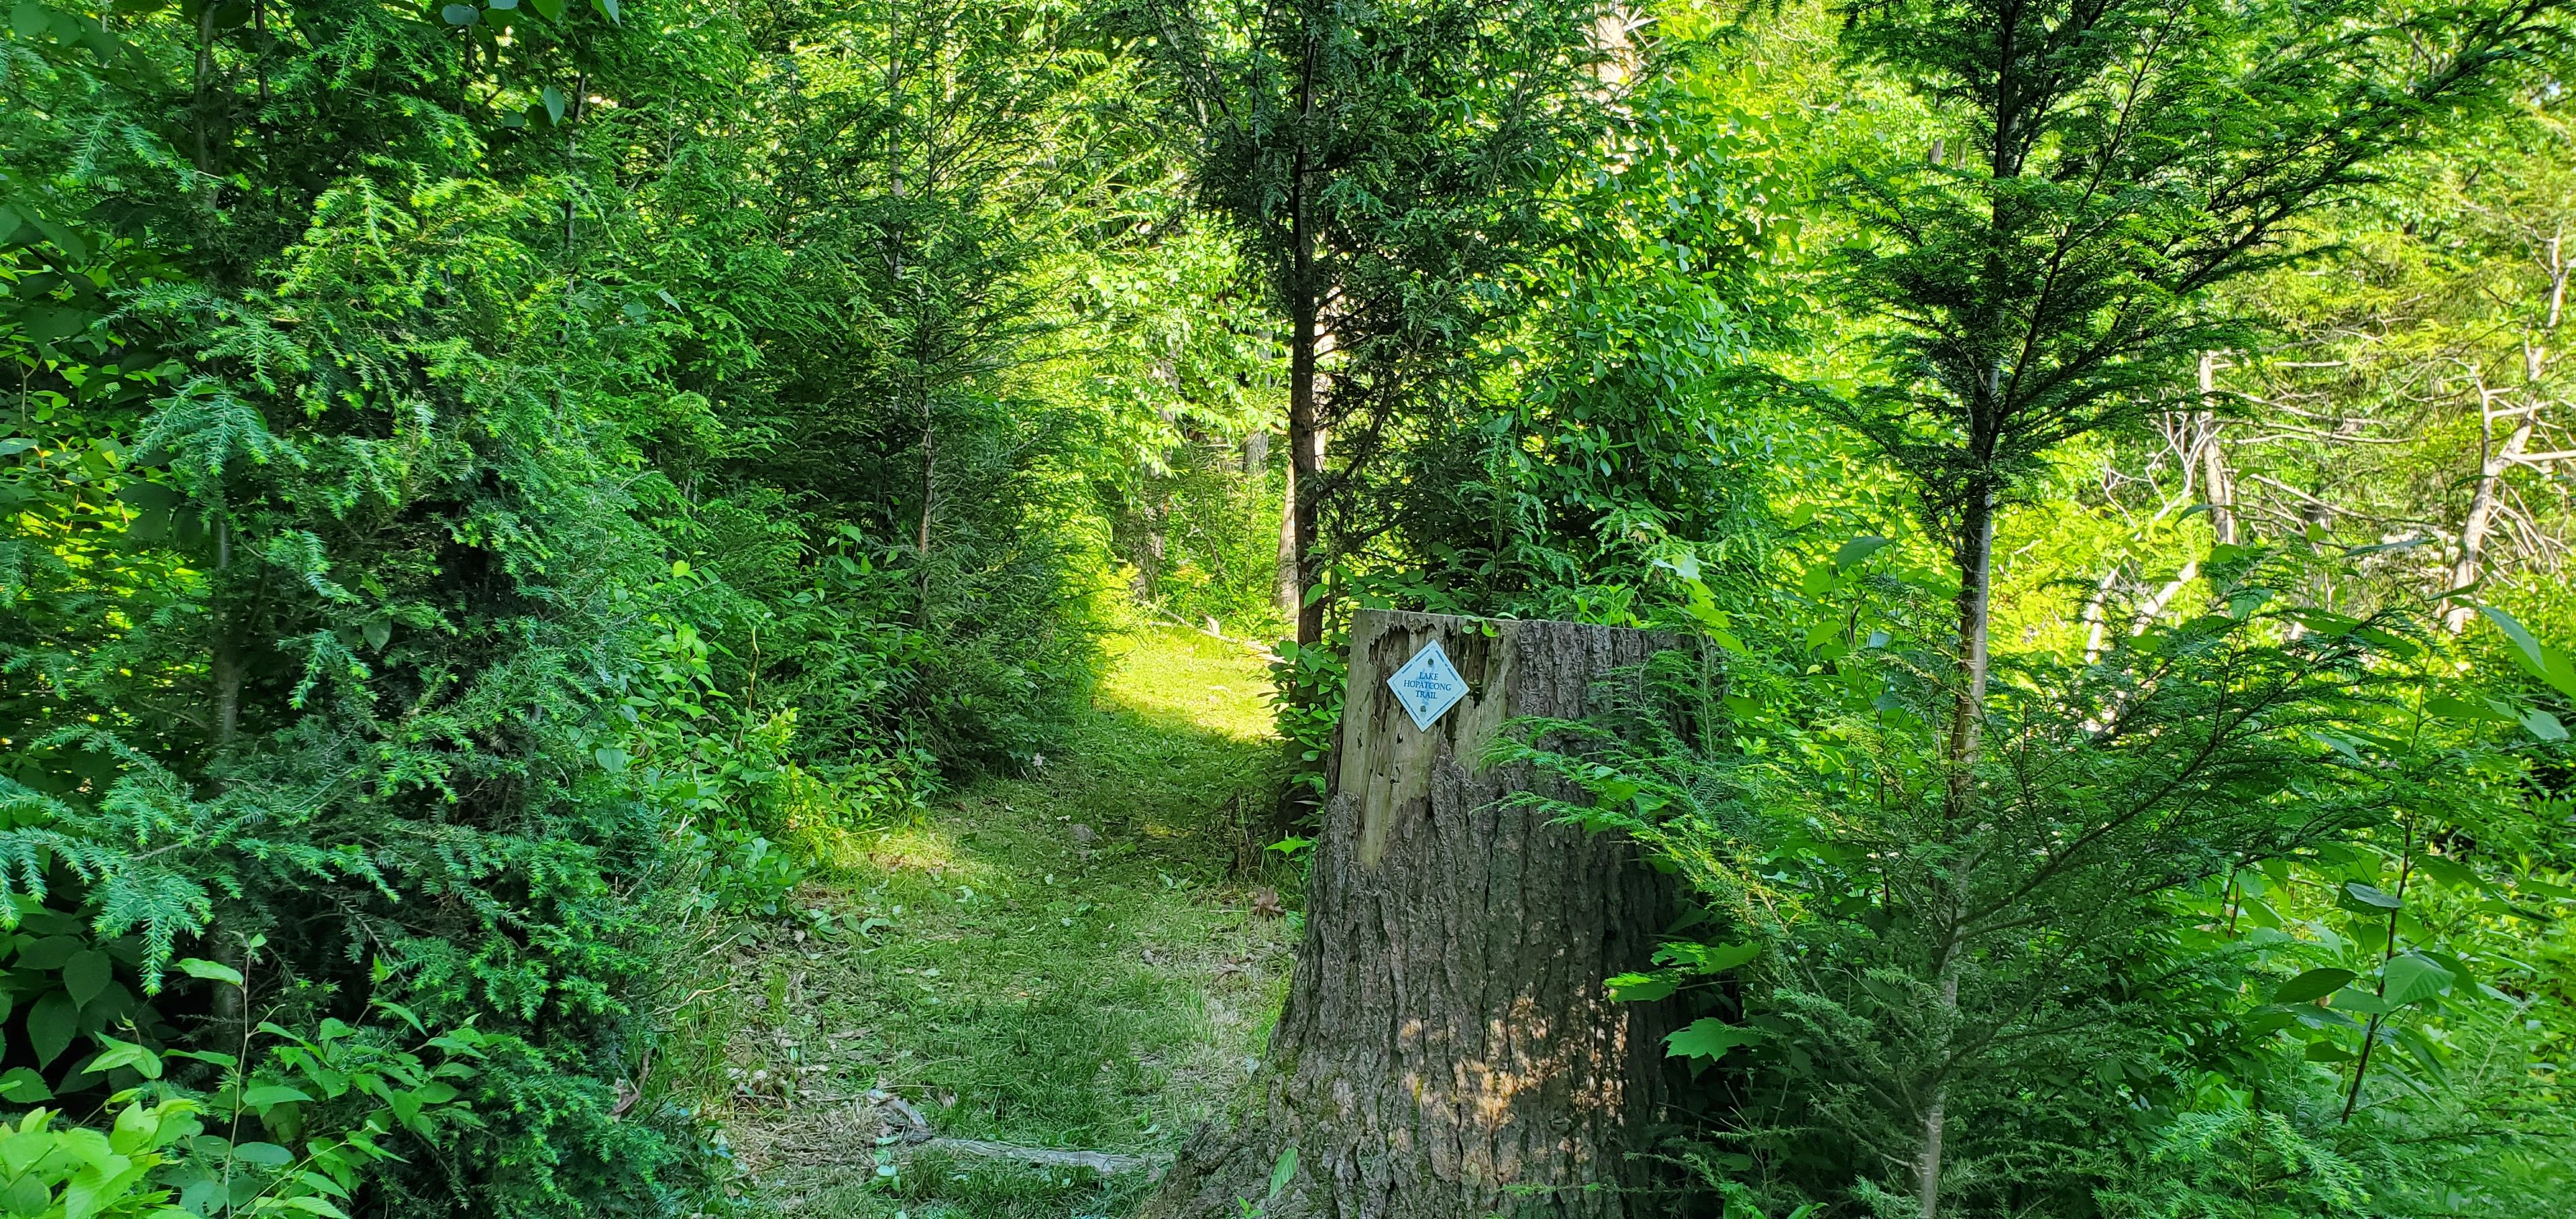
{"points": [[1212, 684]]}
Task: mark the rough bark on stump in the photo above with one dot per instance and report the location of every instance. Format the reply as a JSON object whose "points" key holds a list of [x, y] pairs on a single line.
{"points": [[1447, 1051]]}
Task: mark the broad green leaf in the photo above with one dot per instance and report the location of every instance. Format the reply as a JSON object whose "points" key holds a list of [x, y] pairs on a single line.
{"points": [[2372, 896], [273, 1094], [608, 9], [123, 1054], [1710, 1038], [86, 974], [196, 967], [268, 1154], [2444, 706], [460, 14], [2446, 870], [1640, 988], [1707, 958], [1856, 551], [2362, 1001], [2545, 662], [2542, 724], [2313, 985], [23, 1086], [51, 1024], [1281, 1172], [2409, 978], [2421, 1049], [51, 952]]}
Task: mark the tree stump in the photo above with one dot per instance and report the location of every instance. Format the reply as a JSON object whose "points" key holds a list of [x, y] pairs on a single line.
{"points": [[1447, 1050]]}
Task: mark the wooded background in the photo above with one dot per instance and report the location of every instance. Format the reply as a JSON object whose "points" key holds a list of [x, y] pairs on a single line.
{"points": [[489, 485]]}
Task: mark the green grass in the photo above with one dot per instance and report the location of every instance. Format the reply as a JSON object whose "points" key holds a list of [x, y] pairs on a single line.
{"points": [[1016, 983]]}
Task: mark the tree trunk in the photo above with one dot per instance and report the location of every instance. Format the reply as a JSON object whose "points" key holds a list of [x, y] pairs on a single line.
{"points": [[1305, 416], [1291, 588], [1976, 559], [2218, 489], [1305, 452], [1447, 1050], [2482, 510]]}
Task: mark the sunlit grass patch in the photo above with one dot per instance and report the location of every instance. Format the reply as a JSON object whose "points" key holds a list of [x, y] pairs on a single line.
{"points": [[1059, 960]]}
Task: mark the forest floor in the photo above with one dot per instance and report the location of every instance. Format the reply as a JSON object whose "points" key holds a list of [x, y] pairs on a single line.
{"points": [[1068, 961]]}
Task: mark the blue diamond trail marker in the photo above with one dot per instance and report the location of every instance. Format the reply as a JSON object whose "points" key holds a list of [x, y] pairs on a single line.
{"points": [[1428, 685]]}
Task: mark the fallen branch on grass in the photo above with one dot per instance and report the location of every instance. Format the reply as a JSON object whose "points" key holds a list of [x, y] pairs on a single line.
{"points": [[1102, 1162], [914, 1130]]}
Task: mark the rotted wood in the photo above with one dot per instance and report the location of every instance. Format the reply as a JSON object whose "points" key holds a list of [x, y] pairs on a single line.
{"points": [[1447, 1050]]}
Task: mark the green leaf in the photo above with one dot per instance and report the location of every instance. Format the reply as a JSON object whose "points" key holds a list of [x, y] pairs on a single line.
{"points": [[2313, 985], [86, 974], [2545, 662], [551, 10], [2421, 1049], [2443, 706], [23, 1086], [1707, 958], [51, 1025], [198, 967], [123, 1054], [460, 14], [50, 952], [2323, 1050], [1710, 1038], [2543, 725], [268, 1154], [1280, 1172], [64, 239], [2361, 1001], [2410, 978], [554, 100], [273, 1094], [1641, 988], [2448, 871], [1856, 550], [48, 324], [608, 9], [2372, 896]]}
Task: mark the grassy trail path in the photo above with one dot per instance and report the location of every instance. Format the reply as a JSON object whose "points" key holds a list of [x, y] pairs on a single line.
{"points": [[1061, 961]]}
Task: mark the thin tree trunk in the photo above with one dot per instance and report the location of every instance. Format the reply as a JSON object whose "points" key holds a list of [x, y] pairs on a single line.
{"points": [[1305, 420], [2483, 503], [2482, 508], [201, 88], [2155, 605], [1975, 556], [1447, 1050], [228, 667], [1290, 587], [929, 500], [2217, 488]]}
